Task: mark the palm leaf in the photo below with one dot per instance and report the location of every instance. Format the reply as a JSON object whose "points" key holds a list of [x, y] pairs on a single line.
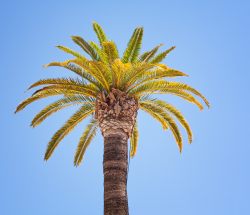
{"points": [[148, 55], [74, 67], [171, 109], [59, 105], [95, 69], [169, 120], [134, 141], [154, 75], [132, 51], [111, 51], [162, 86], [99, 33], [74, 53], [46, 93], [85, 46], [75, 119], [160, 57], [85, 140]]}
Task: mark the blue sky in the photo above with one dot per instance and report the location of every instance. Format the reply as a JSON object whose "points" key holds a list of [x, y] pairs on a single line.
{"points": [[211, 176]]}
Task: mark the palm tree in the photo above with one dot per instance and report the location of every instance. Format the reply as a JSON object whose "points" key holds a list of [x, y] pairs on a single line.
{"points": [[111, 89]]}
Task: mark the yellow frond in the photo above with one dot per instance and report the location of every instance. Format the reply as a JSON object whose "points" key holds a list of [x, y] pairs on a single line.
{"points": [[169, 120], [46, 93], [95, 69], [156, 115], [134, 141], [74, 120], [163, 86], [171, 109], [111, 51], [85, 46], [85, 140], [74, 53], [160, 57], [59, 105], [134, 72], [148, 55]]}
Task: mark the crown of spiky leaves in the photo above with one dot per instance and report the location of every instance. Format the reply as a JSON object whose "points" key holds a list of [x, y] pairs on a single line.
{"points": [[139, 75]]}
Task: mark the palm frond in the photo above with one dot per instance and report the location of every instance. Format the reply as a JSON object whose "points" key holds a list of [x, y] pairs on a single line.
{"points": [[49, 92], [99, 33], [132, 51], [135, 71], [104, 72], [95, 68], [134, 141], [163, 86], [156, 74], [160, 57], [171, 109], [156, 115], [85, 140], [148, 55], [74, 53], [63, 81], [111, 51], [66, 83], [59, 105], [85, 46], [75, 119], [70, 65], [169, 120], [69, 89], [118, 70]]}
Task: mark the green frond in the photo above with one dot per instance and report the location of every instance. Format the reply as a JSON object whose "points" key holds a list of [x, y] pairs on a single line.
{"points": [[74, 53], [74, 120], [111, 51], [104, 71], [156, 115], [137, 46], [95, 68], [62, 64], [88, 77], [85, 46], [86, 90], [160, 57], [102, 55], [67, 83], [134, 140], [171, 109], [59, 105], [49, 92], [163, 86], [85, 140], [156, 74], [99, 33], [70, 65], [63, 81], [135, 71], [118, 70], [134, 45], [169, 120], [148, 55]]}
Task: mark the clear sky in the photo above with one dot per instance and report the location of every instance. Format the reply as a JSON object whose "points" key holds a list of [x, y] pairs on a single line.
{"points": [[211, 176]]}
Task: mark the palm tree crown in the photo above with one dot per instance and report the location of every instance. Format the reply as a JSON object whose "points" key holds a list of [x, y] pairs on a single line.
{"points": [[104, 74]]}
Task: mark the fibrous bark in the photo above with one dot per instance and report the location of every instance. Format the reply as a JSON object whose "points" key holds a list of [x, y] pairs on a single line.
{"points": [[116, 114]]}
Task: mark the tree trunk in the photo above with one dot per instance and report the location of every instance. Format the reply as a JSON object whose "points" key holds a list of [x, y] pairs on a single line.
{"points": [[116, 114], [115, 165]]}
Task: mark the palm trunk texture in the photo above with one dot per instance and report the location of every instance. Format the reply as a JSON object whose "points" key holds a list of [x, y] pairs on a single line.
{"points": [[116, 114], [115, 165]]}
